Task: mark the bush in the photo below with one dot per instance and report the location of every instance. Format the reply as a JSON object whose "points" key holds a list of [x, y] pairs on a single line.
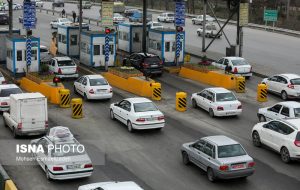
{"points": [[44, 68]]}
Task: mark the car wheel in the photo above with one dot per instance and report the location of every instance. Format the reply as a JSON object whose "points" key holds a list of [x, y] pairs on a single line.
{"points": [[112, 115], [285, 155], [15, 133], [129, 126], [262, 118], [211, 112], [4, 122], [210, 175], [75, 90], [284, 95], [256, 139], [48, 174], [85, 97], [199, 33], [185, 158], [194, 103], [158, 20], [193, 22]]}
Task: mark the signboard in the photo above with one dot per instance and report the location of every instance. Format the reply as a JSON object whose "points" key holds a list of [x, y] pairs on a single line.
{"points": [[106, 48], [29, 17], [270, 15], [28, 51], [107, 11], [178, 44], [244, 14], [180, 13]]}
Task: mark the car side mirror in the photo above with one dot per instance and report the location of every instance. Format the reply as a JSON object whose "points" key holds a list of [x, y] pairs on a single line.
{"points": [[265, 126], [116, 104]]}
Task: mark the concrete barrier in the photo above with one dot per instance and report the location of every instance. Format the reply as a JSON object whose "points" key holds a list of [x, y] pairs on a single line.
{"points": [[46, 88], [211, 78], [3, 178], [9, 185]]}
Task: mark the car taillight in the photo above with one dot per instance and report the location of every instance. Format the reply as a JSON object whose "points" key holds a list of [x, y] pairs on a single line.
{"points": [[19, 127], [291, 86], [235, 70], [220, 108], [4, 103], [46, 124], [91, 91], [141, 120], [251, 164], [224, 168], [59, 71], [146, 65], [161, 62], [76, 69], [110, 90], [161, 118], [250, 69], [297, 143], [88, 165], [57, 168], [4, 82], [240, 106]]}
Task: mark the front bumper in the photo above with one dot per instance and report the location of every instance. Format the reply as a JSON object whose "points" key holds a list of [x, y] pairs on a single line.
{"points": [[70, 175], [76, 75], [228, 112], [234, 174], [100, 96], [148, 126]]}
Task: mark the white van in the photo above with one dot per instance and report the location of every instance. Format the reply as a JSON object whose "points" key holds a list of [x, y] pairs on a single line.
{"points": [[28, 114]]}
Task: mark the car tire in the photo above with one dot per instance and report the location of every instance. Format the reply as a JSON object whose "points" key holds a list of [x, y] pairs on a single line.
{"points": [[211, 112], [256, 139], [194, 103], [199, 33], [48, 174], [193, 22], [112, 115], [262, 118], [129, 126], [210, 175], [4, 122], [185, 158], [285, 155], [247, 77], [75, 90], [15, 133], [284, 95], [85, 97]]}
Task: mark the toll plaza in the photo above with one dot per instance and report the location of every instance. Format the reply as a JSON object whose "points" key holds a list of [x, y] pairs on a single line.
{"points": [[16, 54], [68, 39], [93, 48], [162, 42], [3, 34]]}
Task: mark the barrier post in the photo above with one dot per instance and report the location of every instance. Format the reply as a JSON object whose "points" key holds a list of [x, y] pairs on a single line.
{"points": [[181, 101], [156, 91], [262, 93], [240, 84], [76, 104], [64, 95], [187, 58]]}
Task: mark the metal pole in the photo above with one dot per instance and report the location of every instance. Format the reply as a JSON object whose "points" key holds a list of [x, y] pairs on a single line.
{"points": [[241, 42], [288, 10], [10, 14], [144, 42], [203, 26], [80, 24], [238, 25], [106, 61], [176, 58]]}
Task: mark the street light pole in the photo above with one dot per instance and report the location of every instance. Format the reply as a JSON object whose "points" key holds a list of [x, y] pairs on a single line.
{"points": [[80, 24], [203, 25], [144, 42], [10, 14]]}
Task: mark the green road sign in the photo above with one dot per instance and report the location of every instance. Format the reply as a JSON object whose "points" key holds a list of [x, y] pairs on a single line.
{"points": [[270, 15]]}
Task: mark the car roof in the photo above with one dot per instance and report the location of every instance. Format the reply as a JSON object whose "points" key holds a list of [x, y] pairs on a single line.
{"points": [[218, 90], [220, 140], [138, 100], [289, 75], [292, 104], [94, 76], [27, 96], [6, 86], [64, 58], [126, 185], [233, 58], [295, 122]]}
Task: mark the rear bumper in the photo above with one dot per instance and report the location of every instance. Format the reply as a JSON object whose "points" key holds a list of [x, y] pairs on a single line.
{"points": [[100, 96], [228, 112], [154, 71], [68, 75], [234, 174], [70, 175], [244, 74], [31, 132], [148, 126]]}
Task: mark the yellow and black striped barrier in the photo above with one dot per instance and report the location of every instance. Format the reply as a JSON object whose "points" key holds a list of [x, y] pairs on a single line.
{"points": [[181, 101], [64, 95], [156, 91], [262, 93], [240, 85], [76, 108]]}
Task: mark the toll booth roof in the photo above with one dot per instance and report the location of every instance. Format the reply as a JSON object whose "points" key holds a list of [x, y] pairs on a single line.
{"points": [[94, 33], [72, 25], [132, 24], [20, 37], [164, 30]]}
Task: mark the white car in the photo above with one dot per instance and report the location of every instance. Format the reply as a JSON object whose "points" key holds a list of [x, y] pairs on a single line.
{"points": [[93, 87], [166, 17], [137, 113], [60, 21], [44, 53], [211, 31], [155, 25], [5, 91], [199, 19], [63, 67], [281, 110], [118, 18], [283, 136], [2, 79], [58, 159], [38, 3], [239, 66], [111, 185], [286, 85], [15, 6], [217, 101]]}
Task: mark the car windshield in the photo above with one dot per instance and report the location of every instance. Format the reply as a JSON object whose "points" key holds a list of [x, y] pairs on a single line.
{"points": [[224, 97], [144, 107], [297, 112], [152, 60], [170, 15], [9, 91], [117, 15], [211, 27], [64, 20], [98, 82], [157, 24], [295, 81], [233, 150], [237, 62], [73, 150], [65, 63]]}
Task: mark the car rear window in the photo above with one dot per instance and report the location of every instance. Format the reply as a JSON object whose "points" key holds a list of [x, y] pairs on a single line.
{"points": [[9, 91], [233, 150], [170, 15], [144, 107], [298, 136], [238, 62], [297, 112], [224, 97], [98, 82], [65, 63], [295, 81], [152, 60]]}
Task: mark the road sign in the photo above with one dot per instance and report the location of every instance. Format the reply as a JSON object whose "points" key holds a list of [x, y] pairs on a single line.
{"points": [[270, 15], [180, 13], [107, 11], [106, 48], [178, 44], [244, 14], [28, 51], [29, 15]]}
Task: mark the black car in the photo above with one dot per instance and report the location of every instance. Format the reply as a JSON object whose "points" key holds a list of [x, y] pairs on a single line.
{"points": [[148, 64], [3, 18]]}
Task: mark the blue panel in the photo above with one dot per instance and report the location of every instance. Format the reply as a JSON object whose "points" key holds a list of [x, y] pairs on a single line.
{"points": [[115, 48]]}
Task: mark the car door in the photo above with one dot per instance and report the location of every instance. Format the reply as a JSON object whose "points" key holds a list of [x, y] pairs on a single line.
{"points": [[208, 102], [42, 156], [269, 132], [131, 59], [125, 110], [284, 113], [281, 84], [84, 86], [78, 84], [219, 63], [209, 156], [200, 98], [271, 83], [196, 153], [52, 65], [225, 64], [273, 112], [117, 110]]}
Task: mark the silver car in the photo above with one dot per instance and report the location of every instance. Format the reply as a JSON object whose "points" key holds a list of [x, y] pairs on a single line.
{"points": [[220, 156]]}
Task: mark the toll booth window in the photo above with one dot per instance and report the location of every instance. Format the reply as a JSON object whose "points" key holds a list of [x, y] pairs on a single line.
{"points": [[73, 40], [59, 37], [136, 37], [96, 49], [63, 39], [34, 54], [19, 55], [167, 46]]}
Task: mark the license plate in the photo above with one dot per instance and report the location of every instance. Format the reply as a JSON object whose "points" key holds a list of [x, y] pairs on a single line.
{"points": [[153, 65], [238, 166], [101, 90], [151, 119], [230, 113], [76, 166]]}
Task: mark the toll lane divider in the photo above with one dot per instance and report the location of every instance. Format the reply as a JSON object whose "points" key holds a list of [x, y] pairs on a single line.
{"points": [[212, 78], [45, 88], [5, 182]]}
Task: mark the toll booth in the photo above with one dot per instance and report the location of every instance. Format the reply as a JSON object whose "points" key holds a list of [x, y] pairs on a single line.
{"points": [[162, 42], [16, 54], [130, 36], [3, 34], [92, 52], [68, 38]]}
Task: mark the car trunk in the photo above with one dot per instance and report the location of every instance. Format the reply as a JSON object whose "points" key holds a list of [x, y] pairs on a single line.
{"points": [[242, 69], [230, 105], [101, 89], [67, 67], [74, 163], [237, 162], [150, 117]]}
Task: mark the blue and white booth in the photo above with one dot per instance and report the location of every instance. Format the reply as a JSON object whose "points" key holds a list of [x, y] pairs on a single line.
{"points": [[68, 38], [130, 36], [162, 42], [92, 52], [3, 34], [16, 54]]}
